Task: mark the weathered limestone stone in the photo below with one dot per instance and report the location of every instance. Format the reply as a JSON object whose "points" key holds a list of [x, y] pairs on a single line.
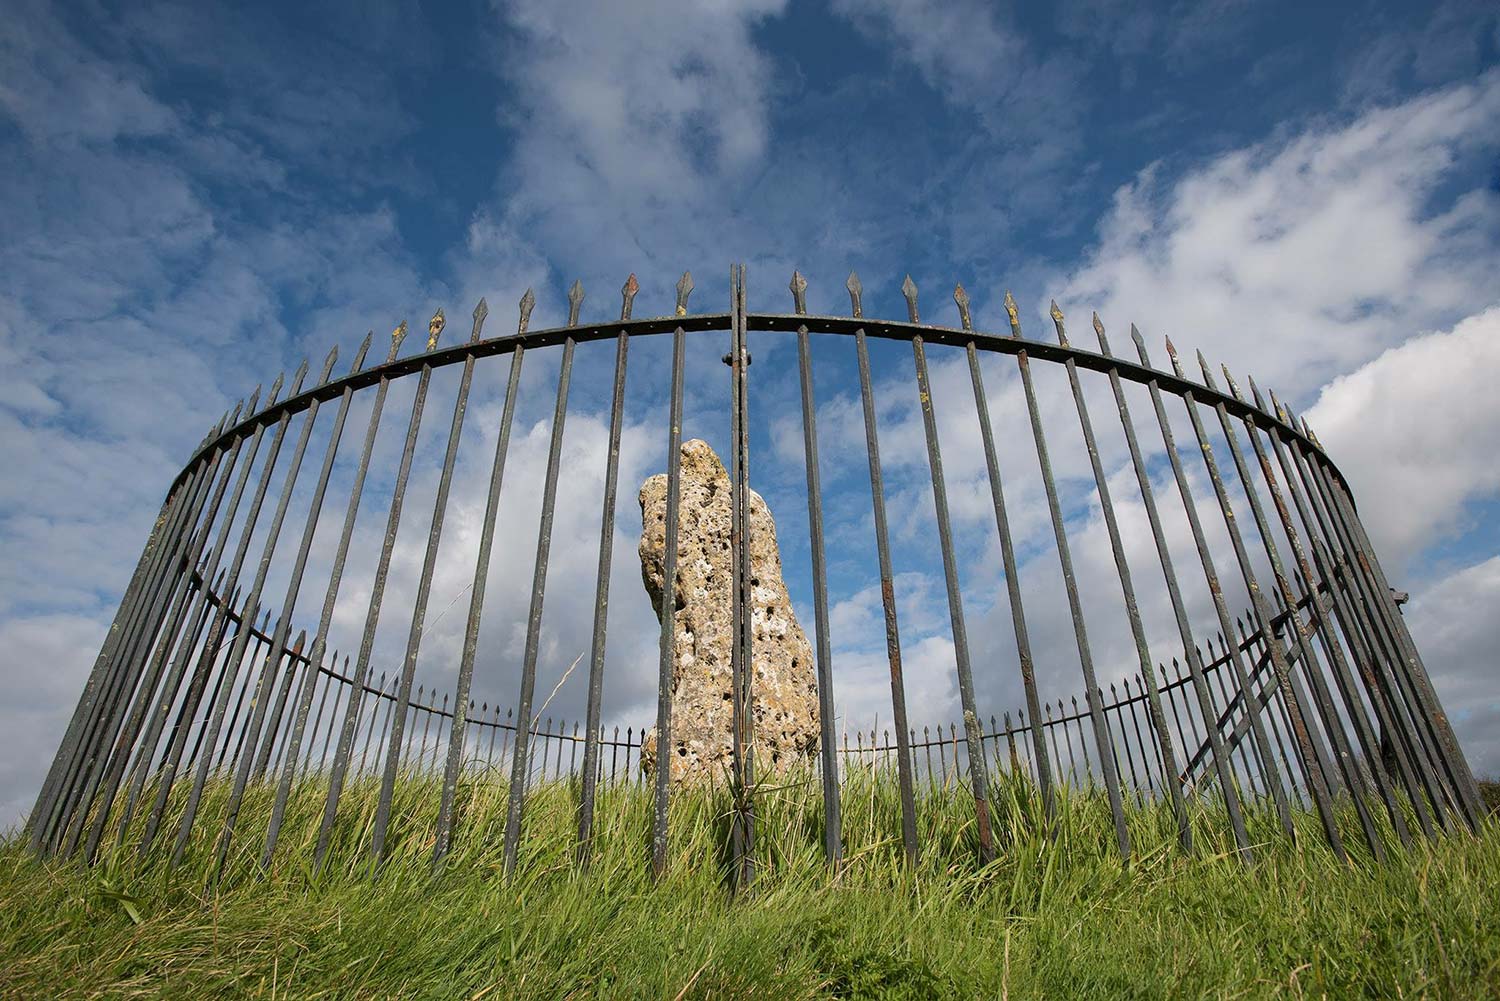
{"points": [[784, 686]]}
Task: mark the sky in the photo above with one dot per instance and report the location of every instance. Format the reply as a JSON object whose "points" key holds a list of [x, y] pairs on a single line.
{"points": [[197, 196]]}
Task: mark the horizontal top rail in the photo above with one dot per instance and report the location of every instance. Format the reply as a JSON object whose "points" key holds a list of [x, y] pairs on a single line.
{"points": [[764, 322]]}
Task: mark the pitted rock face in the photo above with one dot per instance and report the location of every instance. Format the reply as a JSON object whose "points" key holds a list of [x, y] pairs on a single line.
{"points": [[784, 685]]}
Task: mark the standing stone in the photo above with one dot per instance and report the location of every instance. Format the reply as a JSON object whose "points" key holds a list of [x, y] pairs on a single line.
{"points": [[784, 687]]}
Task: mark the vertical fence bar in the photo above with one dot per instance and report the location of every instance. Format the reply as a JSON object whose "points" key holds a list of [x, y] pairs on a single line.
{"points": [[905, 780], [519, 771], [833, 849], [309, 675], [595, 704], [1008, 562], [443, 833], [1070, 585], [1127, 585], [322, 705], [377, 592], [742, 661], [344, 688], [978, 774], [320, 638], [424, 583], [667, 644], [379, 694]]}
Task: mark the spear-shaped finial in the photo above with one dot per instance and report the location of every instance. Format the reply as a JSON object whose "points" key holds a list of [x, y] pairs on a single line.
{"points": [[301, 640], [1176, 361], [1208, 375], [1260, 401], [856, 295], [328, 362], [1234, 388], [275, 390], [627, 296], [397, 336], [1282, 413], [1013, 313], [251, 402], [962, 299], [575, 302], [528, 300], [435, 328], [799, 293], [1099, 333], [684, 289], [234, 415], [298, 377], [1057, 321], [909, 293], [481, 312], [364, 349]]}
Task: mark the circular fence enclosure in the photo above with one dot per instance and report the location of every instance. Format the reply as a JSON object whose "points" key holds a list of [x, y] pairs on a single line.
{"points": [[1054, 576]]}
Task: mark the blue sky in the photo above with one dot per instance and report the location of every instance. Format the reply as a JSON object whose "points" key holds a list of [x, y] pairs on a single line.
{"points": [[196, 196]]}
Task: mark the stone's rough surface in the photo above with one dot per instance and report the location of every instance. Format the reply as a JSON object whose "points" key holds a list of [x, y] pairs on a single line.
{"points": [[784, 686]]}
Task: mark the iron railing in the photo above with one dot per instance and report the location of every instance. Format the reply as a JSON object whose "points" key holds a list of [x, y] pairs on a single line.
{"points": [[1315, 697]]}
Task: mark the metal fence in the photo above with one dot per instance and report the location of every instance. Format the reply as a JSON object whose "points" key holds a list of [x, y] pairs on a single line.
{"points": [[1314, 698]]}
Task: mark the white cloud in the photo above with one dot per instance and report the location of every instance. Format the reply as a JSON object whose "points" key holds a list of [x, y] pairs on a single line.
{"points": [[1455, 627], [1301, 258], [630, 120], [1416, 431]]}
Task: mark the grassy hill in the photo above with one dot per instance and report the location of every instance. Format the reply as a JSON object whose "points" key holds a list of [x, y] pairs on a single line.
{"points": [[1058, 920]]}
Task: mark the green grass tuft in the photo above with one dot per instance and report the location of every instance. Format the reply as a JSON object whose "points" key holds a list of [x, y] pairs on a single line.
{"points": [[1056, 915]]}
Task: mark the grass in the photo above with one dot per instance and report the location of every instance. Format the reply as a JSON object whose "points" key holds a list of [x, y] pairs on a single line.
{"points": [[1058, 919]]}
